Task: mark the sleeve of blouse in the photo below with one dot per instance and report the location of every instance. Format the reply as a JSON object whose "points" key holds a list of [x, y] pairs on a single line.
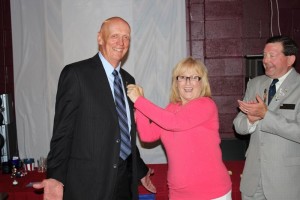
{"points": [[192, 114], [147, 131]]}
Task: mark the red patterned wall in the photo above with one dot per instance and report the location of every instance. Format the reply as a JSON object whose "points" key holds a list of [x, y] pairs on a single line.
{"points": [[221, 33]]}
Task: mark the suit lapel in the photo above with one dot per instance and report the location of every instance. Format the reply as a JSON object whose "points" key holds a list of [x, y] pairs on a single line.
{"points": [[284, 90], [105, 87]]}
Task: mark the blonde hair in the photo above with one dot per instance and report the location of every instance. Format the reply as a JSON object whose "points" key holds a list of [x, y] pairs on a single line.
{"points": [[189, 63]]}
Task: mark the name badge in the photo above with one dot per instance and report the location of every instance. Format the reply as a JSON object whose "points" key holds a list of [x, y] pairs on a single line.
{"points": [[287, 106]]}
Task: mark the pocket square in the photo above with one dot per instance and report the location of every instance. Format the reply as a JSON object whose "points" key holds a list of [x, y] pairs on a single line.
{"points": [[287, 106]]}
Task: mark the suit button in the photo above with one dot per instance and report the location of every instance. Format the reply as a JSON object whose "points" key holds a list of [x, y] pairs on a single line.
{"points": [[118, 141], [115, 166]]}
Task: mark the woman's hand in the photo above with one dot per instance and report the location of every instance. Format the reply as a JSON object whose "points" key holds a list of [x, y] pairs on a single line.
{"points": [[134, 92]]}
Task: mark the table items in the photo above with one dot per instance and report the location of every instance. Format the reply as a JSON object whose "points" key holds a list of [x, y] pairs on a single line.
{"points": [[23, 190], [42, 166], [28, 164], [8, 166], [14, 175]]}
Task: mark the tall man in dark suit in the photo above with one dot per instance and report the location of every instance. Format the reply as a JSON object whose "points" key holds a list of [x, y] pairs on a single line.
{"points": [[84, 160], [270, 112]]}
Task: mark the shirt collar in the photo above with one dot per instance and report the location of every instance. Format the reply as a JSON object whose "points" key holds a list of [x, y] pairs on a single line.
{"points": [[107, 66], [281, 79]]}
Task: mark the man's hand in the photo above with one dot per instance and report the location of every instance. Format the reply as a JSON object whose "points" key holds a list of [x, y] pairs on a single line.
{"points": [[53, 189], [254, 110], [146, 181]]}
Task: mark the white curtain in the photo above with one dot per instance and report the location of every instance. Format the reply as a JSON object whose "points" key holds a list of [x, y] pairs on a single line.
{"points": [[47, 35]]}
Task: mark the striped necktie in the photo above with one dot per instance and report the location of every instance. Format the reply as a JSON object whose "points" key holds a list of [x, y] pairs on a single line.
{"points": [[272, 90], [123, 122]]}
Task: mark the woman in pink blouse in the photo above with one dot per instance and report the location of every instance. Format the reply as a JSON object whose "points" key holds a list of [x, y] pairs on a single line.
{"points": [[189, 130]]}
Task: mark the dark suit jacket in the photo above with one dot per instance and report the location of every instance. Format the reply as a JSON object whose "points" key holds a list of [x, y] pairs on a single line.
{"points": [[85, 146]]}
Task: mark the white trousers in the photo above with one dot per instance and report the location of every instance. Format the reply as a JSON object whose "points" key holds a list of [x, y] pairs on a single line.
{"points": [[225, 197]]}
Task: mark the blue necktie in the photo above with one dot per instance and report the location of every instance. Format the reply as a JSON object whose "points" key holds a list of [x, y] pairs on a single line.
{"points": [[272, 90], [123, 122]]}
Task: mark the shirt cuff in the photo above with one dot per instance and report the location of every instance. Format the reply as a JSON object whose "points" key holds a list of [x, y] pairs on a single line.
{"points": [[252, 127]]}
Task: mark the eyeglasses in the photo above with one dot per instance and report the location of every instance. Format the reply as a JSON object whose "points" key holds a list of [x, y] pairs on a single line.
{"points": [[193, 79]]}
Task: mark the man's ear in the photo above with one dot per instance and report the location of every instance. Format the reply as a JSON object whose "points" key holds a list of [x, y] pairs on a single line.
{"points": [[291, 60], [99, 38]]}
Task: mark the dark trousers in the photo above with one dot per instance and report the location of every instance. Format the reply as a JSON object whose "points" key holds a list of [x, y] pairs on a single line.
{"points": [[123, 187]]}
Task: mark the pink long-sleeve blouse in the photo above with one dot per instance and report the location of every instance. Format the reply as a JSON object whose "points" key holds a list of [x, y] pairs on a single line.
{"points": [[190, 135]]}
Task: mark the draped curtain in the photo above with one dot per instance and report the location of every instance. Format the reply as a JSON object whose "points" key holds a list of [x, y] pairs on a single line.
{"points": [[47, 35]]}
